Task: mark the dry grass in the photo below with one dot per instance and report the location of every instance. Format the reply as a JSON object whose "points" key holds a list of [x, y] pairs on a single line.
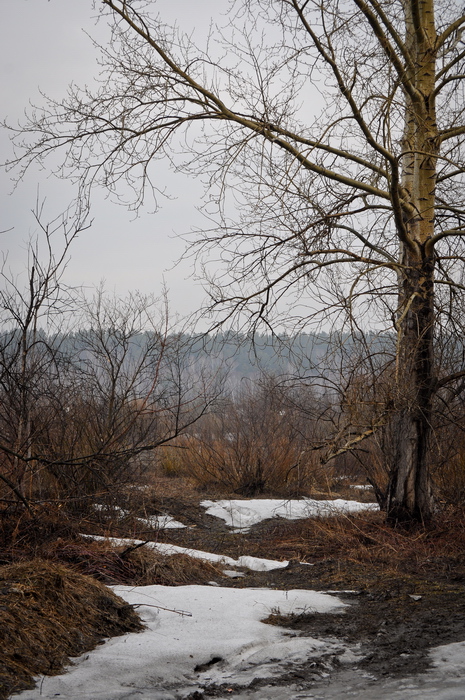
{"points": [[48, 614], [362, 550], [110, 564], [132, 566], [51, 536]]}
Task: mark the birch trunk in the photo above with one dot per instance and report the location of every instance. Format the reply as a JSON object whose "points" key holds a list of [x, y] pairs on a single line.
{"points": [[410, 489]]}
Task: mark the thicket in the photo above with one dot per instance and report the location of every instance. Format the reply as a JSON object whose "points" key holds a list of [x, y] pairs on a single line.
{"points": [[96, 392], [89, 385], [87, 411], [276, 435]]}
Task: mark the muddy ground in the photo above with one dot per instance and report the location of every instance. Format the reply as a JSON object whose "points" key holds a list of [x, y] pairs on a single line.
{"points": [[395, 613], [404, 590], [390, 627]]}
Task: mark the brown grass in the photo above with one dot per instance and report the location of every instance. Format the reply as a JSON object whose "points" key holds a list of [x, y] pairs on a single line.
{"points": [[362, 550], [132, 566], [48, 614], [51, 535]]}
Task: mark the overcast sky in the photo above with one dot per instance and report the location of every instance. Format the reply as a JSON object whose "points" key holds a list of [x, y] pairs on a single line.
{"points": [[43, 45]]}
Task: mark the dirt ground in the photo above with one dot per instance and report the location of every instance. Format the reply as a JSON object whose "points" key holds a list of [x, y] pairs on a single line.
{"points": [[391, 627], [405, 590]]}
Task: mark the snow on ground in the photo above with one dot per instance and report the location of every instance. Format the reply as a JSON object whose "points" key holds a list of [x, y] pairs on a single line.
{"points": [[157, 522], [162, 522], [190, 626], [211, 623], [253, 563], [242, 514], [170, 660]]}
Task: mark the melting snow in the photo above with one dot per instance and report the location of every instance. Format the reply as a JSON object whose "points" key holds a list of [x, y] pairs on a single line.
{"points": [[242, 514], [162, 522], [160, 662], [253, 563], [201, 635]]}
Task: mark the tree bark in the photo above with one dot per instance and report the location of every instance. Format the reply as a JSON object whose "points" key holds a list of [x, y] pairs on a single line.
{"points": [[410, 494]]}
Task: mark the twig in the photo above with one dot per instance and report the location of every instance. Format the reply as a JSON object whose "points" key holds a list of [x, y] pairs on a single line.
{"points": [[132, 548], [183, 613]]}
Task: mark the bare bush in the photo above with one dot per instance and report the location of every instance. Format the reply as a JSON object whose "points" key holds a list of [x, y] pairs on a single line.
{"points": [[257, 443], [88, 386]]}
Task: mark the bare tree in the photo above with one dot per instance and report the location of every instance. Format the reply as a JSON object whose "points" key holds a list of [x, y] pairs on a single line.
{"points": [[338, 128], [87, 386], [131, 389], [34, 314]]}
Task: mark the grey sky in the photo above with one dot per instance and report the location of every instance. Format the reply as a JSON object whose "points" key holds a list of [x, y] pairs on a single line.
{"points": [[43, 45]]}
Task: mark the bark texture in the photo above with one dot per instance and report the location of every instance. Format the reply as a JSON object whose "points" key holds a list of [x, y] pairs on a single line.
{"points": [[410, 494]]}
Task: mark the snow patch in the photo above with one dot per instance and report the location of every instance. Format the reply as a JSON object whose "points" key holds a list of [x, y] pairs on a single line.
{"points": [[248, 562], [242, 514], [158, 662]]}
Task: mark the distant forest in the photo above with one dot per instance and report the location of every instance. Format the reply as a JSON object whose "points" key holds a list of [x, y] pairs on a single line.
{"points": [[240, 355]]}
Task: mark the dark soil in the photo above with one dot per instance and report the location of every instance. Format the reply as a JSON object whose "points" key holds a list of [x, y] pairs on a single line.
{"points": [[394, 630], [404, 589], [400, 604]]}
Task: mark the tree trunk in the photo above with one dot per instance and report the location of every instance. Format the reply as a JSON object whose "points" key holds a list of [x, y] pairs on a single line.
{"points": [[410, 494]]}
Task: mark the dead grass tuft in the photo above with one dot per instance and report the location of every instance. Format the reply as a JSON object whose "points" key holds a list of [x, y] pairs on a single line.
{"points": [[139, 566], [362, 550], [176, 570], [49, 613]]}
